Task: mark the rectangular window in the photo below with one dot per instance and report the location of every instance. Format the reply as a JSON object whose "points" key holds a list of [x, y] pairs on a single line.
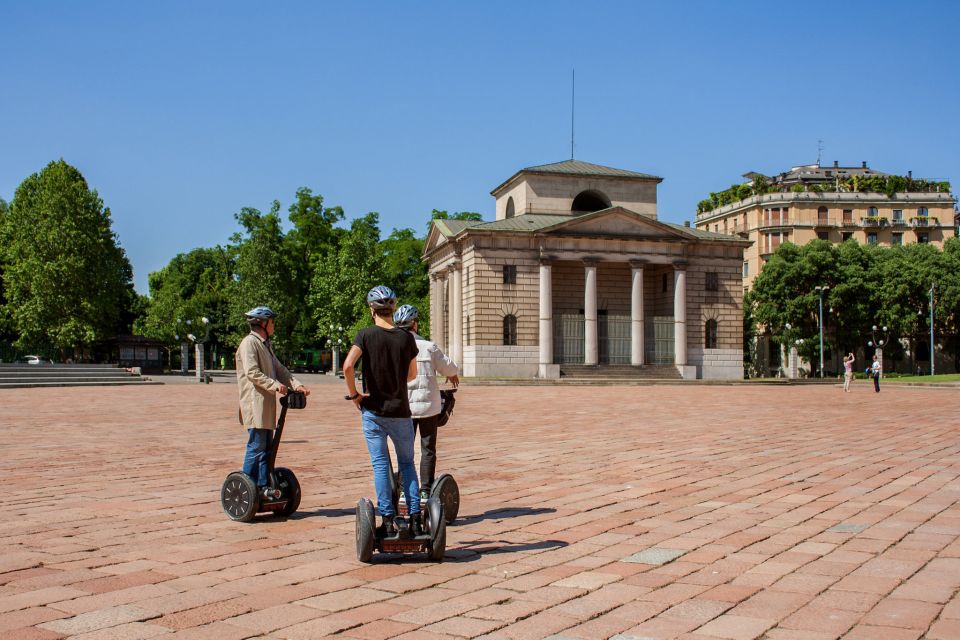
{"points": [[713, 281], [847, 235], [871, 238], [823, 235], [848, 216], [898, 215], [509, 274], [746, 268], [897, 239], [923, 238]]}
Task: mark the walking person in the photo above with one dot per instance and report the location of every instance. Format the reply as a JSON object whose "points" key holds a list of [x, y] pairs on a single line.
{"points": [[875, 371], [847, 372], [424, 393], [389, 362], [261, 378]]}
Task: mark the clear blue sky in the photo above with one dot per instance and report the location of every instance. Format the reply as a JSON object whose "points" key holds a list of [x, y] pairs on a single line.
{"points": [[181, 113]]}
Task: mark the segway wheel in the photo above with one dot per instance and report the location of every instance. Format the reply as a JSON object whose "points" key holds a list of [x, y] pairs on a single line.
{"points": [[290, 489], [438, 530], [239, 497], [366, 530], [446, 490]]}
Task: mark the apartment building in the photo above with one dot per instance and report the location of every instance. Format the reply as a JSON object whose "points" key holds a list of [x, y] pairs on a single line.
{"points": [[830, 203]]}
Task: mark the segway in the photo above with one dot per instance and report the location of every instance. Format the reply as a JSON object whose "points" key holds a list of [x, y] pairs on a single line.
{"points": [[239, 496], [445, 488], [371, 538]]}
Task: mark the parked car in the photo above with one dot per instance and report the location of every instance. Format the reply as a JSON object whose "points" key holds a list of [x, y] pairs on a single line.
{"points": [[31, 359]]}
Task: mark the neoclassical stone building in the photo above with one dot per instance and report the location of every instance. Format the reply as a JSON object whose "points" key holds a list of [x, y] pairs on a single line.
{"points": [[577, 270]]}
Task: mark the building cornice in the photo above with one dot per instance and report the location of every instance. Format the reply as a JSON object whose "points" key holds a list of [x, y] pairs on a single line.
{"points": [[855, 197]]}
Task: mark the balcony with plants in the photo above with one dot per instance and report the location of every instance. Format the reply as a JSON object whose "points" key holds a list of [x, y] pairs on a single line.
{"points": [[886, 185]]}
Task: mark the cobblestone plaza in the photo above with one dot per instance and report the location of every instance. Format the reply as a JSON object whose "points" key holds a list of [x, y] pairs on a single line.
{"points": [[698, 512]]}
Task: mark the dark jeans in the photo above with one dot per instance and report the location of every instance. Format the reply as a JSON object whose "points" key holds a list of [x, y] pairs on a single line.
{"points": [[255, 460], [876, 383], [428, 449]]}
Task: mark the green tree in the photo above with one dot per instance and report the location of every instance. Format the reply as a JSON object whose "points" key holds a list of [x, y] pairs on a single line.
{"points": [[7, 335], [314, 238], [438, 214], [947, 302], [341, 282], [405, 271], [263, 275], [785, 293], [191, 286], [67, 280]]}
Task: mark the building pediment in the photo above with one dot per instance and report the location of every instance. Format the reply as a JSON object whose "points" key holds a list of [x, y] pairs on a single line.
{"points": [[616, 222]]}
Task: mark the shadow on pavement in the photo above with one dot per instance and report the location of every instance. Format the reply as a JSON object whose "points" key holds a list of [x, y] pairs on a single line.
{"points": [[473, 550], [323, 513], [503, 513]]}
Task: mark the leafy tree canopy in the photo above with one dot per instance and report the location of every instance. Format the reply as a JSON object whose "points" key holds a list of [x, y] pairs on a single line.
{"points": [[192, 286], [66, 279], [868, 286]]}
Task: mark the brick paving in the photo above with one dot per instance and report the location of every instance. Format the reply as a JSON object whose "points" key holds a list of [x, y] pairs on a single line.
{"points": [[691, 512]]}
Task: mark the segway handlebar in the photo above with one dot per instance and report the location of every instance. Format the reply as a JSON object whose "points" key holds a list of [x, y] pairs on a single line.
{"points": [[294, 400]]}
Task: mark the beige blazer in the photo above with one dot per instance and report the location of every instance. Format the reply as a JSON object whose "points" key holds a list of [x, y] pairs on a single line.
{"points": [[259, 376]]}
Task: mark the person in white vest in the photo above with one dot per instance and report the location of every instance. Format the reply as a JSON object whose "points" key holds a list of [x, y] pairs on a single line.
{"points": [[424, 393]]}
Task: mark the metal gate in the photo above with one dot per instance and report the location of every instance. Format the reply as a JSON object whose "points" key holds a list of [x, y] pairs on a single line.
{"points": [[658, 341], [613, 333], [568, 338]]}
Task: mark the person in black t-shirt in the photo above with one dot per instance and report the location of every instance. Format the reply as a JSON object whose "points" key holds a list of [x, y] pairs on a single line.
{"points": [[389, 362]]}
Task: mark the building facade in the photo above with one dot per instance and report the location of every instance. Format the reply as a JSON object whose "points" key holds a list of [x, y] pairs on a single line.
{"points": [[577, 270], [829, 212]]}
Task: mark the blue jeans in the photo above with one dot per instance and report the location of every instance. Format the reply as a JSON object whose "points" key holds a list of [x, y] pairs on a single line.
{"points": [[255, 460], [376, 430]]}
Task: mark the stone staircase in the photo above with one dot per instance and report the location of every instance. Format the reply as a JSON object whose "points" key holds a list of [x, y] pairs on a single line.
{"points": [[618, 373], [18, 376]]}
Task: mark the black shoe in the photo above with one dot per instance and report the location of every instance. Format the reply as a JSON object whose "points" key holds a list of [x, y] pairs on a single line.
{"points": [[388, 529], [417, 525]]}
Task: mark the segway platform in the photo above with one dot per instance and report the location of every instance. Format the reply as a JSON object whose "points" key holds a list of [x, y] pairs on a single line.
{"points": [[239, 497], [371, 538]]}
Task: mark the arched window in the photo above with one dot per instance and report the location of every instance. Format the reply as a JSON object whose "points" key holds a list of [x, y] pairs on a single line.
{"points": [[710, 334], [872, 211], [923, 212], [510, 210], [510, 330], [587, 201]]}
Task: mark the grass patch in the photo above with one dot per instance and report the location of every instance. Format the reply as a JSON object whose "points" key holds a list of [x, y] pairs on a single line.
{"points": [[946, 377]]}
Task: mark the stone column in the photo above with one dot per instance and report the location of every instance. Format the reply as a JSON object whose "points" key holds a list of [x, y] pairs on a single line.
{"points": [[435, 310], [198, 347], [184, 358], [636, 313], [680, 314], [590, 346], [456, 314], [546, 314], [437, 327]]}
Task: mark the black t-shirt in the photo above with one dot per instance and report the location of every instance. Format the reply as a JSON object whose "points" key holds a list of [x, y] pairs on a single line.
{"points": [[386, 360]]}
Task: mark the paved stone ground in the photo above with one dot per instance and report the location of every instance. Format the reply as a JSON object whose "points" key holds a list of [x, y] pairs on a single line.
{"points": [[600, 512]]}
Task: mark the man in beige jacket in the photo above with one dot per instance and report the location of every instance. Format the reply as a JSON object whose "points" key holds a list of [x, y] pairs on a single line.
{"points": [[261, 378]]}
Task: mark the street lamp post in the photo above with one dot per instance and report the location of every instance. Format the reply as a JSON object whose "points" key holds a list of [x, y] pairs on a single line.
{"points": [[820, 291], [183, 327], [878, 343], [932, 366], [336, 343]]}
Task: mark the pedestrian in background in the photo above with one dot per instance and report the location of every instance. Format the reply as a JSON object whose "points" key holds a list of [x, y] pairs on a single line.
{"points": [[875, 372], [847, 372]]}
